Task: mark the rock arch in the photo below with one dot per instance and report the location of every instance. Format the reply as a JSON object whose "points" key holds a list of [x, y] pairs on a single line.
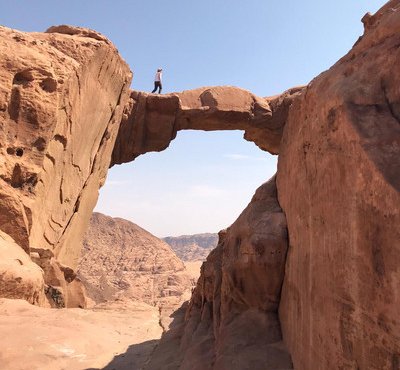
{"points": [[150, 122], [337, 182]]}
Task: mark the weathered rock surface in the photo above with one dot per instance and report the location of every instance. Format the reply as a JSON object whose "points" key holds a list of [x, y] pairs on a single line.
{"points": [[191, 248], [232, 321], [63, 287], [20, 278], [339, 186], [120, 260], [151, 122], [61, 99]]}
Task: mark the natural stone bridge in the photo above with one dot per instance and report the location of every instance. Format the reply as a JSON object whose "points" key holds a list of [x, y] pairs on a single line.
{"points": [[66, 115], [151, 121]]}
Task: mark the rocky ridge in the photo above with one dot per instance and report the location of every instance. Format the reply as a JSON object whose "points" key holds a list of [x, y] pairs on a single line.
{"points": [[192, 247], [120, 260]]}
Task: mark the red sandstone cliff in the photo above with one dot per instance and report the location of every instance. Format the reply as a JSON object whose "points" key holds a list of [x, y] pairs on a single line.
{"points": [[61, 100], [340, 152], [338, 184], [234, 308]]}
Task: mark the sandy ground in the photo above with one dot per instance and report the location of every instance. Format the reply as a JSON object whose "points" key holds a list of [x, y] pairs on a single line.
{"points": [[119, 335], [34, 338]]}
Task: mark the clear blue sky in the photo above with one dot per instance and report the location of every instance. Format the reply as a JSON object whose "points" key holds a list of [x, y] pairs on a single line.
{"points": [[204, 180]]}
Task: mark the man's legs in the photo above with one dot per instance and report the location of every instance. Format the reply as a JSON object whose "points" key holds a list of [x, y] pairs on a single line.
{"points": [[155, 87], [159, 87]]}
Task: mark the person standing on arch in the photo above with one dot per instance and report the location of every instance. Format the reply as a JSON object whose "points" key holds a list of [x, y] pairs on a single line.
{"points": [[157, 81]]}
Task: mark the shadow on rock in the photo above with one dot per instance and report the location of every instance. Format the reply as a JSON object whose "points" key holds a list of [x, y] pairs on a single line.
{"points": [[134, 358], [154, 354]]}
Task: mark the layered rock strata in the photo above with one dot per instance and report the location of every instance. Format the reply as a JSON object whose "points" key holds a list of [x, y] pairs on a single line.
{"points": [[151, 122]]}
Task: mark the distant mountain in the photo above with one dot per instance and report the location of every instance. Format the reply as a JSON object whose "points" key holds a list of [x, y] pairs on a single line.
{"points": [[193, 247], [122, 260]]}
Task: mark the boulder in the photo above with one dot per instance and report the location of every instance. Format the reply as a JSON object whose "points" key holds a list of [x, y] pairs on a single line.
{"points": [[20, 278], [63, 287]]}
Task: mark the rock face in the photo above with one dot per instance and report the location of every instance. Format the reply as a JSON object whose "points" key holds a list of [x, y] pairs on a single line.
{"points": [[234, 308], [61, 99], [190, 248], [63, 288], [120, 260], [151, 121], [341, 154], [338, 184], [20, 278]]}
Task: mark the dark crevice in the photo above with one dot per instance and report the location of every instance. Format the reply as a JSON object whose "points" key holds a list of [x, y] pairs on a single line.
{"points": [[61, 139], [52, 159], [49, 85], [17, 179], [388, 103], [39, 144], [15, 103]]}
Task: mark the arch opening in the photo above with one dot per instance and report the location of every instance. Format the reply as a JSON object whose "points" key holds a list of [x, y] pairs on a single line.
{"points": [[200, 184]]}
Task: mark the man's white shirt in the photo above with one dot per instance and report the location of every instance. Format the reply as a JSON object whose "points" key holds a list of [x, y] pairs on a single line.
{"points": [[158, 77]]}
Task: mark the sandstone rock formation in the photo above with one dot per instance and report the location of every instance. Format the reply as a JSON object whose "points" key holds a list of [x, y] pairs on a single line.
{"points": [[234, 308], [339, 186], [338, 183], [60, 106], [61, 99], [63, 288], [334, 209], [190, 248], [151, 122], [120, 260], [20, 278]]}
